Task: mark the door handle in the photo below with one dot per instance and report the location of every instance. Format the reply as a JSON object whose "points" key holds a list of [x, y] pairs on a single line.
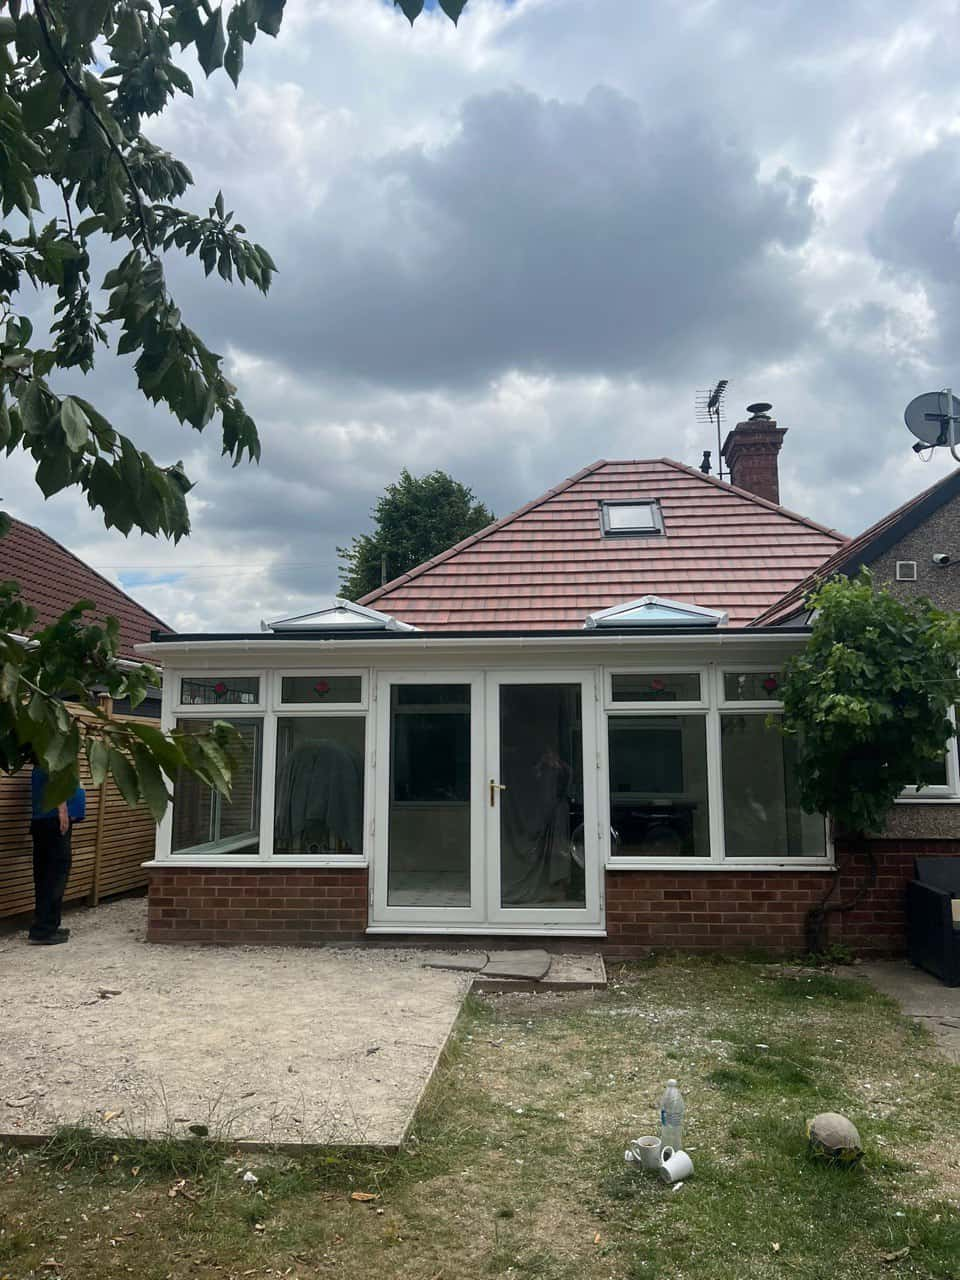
{"points": [[494, 788]]}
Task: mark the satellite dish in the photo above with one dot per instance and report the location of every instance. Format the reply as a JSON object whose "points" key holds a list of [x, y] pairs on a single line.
{"points": [[934, 418]]}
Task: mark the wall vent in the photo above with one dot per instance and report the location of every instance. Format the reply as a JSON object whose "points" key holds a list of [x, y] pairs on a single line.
{"points": [[906, 570]]}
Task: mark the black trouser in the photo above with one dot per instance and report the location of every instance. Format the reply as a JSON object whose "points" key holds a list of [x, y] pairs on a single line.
{"points": [[52, 856]]}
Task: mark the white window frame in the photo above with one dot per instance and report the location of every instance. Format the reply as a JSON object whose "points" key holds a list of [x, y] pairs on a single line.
{"points": [[318, 671], [712, 705], [268, 709], [204, 709], [936, 794]]}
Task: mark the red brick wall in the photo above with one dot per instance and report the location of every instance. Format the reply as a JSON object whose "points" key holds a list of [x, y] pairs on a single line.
{"points": [[279, 905], [733, 910], [688, 910]]}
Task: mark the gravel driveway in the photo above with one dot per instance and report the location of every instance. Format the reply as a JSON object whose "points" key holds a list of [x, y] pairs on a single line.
{"points": [[257, 1043]]}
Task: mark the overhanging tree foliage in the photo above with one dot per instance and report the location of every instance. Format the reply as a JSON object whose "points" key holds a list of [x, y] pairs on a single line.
{"points": [[80, 181], [869, 698], [416, 518]]}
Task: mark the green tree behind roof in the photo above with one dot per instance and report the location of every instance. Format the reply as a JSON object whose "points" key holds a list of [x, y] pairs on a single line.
{"points": [[416, 519]]}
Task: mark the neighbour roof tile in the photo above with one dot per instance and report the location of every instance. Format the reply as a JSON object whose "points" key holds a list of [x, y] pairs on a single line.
{"points": [[51, 578], [548, 565]]}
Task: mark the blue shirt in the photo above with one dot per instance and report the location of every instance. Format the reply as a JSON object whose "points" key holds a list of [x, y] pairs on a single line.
{"points": [[76, 805]]}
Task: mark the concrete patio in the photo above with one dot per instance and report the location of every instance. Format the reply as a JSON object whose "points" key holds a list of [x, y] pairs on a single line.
{"points": [[923, 998], [263, 1045]]}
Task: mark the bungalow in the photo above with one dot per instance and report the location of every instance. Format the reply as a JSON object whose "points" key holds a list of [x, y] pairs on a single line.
{"points": [[558, 728]]}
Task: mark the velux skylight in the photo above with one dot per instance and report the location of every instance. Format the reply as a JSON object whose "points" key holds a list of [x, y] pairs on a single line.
{"points": [[628, 519]]}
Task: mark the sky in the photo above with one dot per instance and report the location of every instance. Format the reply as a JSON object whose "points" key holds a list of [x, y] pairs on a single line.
{"points": [[513, 247]]}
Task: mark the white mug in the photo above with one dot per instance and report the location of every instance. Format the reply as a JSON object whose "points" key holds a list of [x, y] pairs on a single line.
{"points": [[675, 1165], [646, 1152]]}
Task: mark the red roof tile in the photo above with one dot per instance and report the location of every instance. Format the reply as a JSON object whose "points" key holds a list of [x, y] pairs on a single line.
{"points": [[51, 578], [867, 546], [548, 565]]}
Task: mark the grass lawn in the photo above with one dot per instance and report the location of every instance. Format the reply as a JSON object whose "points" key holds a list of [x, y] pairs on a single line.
{"points": [[516, 1164]]}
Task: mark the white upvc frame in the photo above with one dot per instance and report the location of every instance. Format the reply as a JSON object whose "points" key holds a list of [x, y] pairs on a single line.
{"points": [[415, 919], [319, 670], [549, 919], [712, 706], [205, 709], [267, 710]]}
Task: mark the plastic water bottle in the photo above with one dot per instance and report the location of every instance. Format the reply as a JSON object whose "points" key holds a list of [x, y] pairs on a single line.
{"points": [[671, 1117]]}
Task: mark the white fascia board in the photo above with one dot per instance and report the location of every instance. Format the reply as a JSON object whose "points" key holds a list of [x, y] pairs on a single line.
{"points": [[577, 644]]}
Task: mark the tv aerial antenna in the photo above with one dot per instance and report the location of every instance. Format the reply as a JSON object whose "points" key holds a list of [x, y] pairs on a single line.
{"points": [[709, 410], [934, 418]]}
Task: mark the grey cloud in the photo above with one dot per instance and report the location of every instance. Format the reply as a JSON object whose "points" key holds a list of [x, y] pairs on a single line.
{"points": [[557, 236]]}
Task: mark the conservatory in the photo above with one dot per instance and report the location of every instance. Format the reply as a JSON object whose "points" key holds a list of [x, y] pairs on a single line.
{"points": [[398, 781]]}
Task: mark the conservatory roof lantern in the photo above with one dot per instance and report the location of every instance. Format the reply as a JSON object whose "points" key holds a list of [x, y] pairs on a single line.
{"points": [[340, 614], [655, 611]]}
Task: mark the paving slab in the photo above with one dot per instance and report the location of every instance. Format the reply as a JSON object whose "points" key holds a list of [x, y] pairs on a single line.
{"points": [[269, 1045], [531, 965], [920, 996]]}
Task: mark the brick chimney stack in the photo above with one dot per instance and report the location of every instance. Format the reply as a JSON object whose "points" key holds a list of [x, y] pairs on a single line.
{"points": [[751, 450]]}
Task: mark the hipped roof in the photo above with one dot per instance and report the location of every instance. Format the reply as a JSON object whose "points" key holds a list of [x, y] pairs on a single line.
{"points": [[549, 565]]}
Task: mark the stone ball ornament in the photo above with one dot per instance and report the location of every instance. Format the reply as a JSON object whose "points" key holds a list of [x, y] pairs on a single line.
{"points": [[834, 1138]]}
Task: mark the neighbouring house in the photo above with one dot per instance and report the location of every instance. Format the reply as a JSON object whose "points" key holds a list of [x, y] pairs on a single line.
{"points": [[111, 845]]}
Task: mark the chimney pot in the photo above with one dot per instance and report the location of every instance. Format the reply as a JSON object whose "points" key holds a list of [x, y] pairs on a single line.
{"points": [[751, 451]]}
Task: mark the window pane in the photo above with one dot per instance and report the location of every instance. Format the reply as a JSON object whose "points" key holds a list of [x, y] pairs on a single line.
{"points": [[658, 786], [320, 689], [751, 686], [645, 687], [230, 690], [761, 802], [203, 822], [640, 515], [541, 804], [429, 821], [933, 773], [319, 795]]}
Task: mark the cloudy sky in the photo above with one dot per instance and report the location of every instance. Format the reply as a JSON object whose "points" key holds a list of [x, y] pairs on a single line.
{"points": [[510, 248]]}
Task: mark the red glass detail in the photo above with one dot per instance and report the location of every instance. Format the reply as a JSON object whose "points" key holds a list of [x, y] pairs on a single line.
{"points": [[657, 685], [771, 684], [321, 687], [220, 688]]}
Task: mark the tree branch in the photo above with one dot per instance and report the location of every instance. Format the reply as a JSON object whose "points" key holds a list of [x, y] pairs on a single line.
{"points": [[84, 99]]}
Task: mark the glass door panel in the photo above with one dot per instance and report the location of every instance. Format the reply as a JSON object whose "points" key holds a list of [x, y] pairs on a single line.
{"points": [[541, 801], [544, 866], [429, 821]]}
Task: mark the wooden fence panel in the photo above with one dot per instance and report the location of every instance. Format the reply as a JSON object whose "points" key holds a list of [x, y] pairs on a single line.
{"points": [[127, 841]]}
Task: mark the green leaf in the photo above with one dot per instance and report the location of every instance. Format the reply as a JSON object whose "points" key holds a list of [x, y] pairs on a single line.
{"points": [[41, 102], [179, 78], [152, 786], [412, 8], [211, 43], [34, 410], [271, 15], [75, 424], [125, 776], [9, 681], [233, 59], [453, 8], [54, 470], [98, 757]]}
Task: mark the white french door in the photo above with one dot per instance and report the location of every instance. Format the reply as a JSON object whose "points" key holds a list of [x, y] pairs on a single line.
{"points": [[542, 847], [486, 813]]}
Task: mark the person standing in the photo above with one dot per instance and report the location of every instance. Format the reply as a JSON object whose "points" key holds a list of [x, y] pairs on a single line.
{"points": [[51, 830]]}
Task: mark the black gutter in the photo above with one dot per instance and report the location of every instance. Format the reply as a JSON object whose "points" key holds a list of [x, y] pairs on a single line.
{"points": [[597, 633]]}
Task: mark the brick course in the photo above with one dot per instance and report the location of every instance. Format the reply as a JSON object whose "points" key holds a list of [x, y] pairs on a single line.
{"points": [[270, 906], [688, 910]]}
